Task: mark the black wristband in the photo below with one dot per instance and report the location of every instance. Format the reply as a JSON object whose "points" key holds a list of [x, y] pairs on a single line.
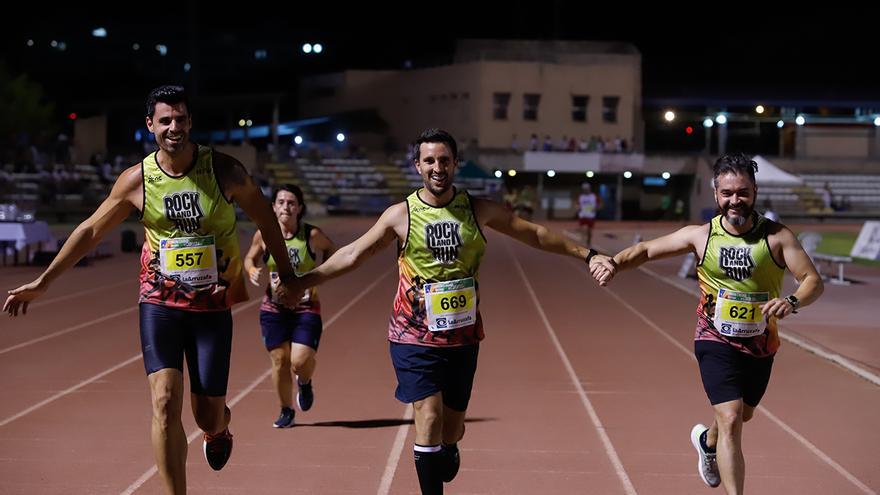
{"points": [[590, 255]]}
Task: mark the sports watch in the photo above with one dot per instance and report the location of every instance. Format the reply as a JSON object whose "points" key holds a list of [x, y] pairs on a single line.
{"points": [[794, 301]]}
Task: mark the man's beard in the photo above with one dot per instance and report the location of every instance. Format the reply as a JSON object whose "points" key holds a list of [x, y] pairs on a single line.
{"points": [[739, 220], [437, 191]]}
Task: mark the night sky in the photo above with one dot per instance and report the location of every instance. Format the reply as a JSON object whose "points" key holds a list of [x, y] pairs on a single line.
{"points": [[747, 52]]}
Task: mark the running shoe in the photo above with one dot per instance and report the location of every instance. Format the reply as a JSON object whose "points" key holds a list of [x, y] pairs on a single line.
{"points": [[285, 420], [706, 465], [217, 449]]}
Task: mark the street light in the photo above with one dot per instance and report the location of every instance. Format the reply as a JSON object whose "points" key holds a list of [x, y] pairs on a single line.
{"points": [[551, 173], [627, 174], [721, 119], [669, 116], [707, 123], [759, 109], [780, 123], [666, 175]]}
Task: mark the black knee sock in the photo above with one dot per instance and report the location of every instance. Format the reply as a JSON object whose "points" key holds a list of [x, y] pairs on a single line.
{"points": [[429, 466], [452, 461]]}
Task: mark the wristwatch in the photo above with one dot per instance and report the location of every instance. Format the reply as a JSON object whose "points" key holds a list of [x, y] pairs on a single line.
{"points": [[590, 255], [795, 302]]}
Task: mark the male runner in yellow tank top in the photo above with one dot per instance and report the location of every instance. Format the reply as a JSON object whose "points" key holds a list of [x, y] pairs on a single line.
{"points": [[435, 326], [743, 257], [190, 275]]}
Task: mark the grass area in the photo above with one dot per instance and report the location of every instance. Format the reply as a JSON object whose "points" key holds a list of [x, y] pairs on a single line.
{"points": [[840, 244]]}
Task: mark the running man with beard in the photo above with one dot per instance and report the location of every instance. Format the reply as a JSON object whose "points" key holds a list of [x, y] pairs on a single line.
{"points": [[190, 275], [435, 327], [743, 257], [290, 335]]}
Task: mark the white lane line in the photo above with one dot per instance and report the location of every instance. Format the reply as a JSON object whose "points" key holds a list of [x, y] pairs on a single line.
{"points": [[96, 377], [396, 451], [788, 429], [68, 330], [82, 293], [835, 358], [149, 473], [576, 381]]}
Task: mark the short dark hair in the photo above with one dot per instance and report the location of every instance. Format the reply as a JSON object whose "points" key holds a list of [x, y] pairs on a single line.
{"points": [[735, 163], [435, 135], [296, 191], [170, 95]]}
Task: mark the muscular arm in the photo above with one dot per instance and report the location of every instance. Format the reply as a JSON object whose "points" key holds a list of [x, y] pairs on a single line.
{"points": [[685, 240], [800, 265], [390, 226], [537, 236], [238, 186], [126, 195]]}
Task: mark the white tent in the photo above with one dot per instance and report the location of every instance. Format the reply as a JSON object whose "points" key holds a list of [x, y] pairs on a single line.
{"points": [[771, 175]]}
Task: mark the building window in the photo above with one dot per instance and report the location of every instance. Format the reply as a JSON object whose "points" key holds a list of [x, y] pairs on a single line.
{"points": [[530, 106], [500, 102], [579, 105], [609, 109]]}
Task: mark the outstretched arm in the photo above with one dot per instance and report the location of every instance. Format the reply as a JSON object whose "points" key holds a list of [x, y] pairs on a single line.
{"points": [[685, 240], [124, 197], [238, 186], [390, 226], [537, 236]]}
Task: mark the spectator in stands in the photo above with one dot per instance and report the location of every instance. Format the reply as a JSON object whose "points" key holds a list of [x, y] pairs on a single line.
{"points": [[533, 142], [563, 144], [827, 204], [548, 143], [769, 214], [514, 144]]}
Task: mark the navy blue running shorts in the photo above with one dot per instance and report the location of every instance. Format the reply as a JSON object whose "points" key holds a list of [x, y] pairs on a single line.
{"points": [[423, 371], [204, 337], [302, 328], [729, 374]]}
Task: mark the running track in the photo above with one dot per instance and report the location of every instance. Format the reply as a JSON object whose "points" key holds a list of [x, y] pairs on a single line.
{"points": [[579, 390]]}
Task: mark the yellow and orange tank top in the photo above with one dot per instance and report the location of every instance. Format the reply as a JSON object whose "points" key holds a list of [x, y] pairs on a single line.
{"points": [[437, 300], [737, 275], [190, 259], [303, 260]]}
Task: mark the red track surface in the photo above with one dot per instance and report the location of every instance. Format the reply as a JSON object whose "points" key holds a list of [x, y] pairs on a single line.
{"points": [[579, 390]]}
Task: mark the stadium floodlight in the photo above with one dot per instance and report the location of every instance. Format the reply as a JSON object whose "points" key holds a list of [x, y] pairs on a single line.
{"points": [[780, 123], [340, 137], [249, 122], [135, 46], [162, 49], [298, 140], [669, 116], [498, 174], [707, 122], [721, 119], [759, 109], [99, 32], [800, 120], [53, 44], [666, 175], [187, 66], [242, 122], [590, 173], [551, 173], [30, 42], [627, 174], [877, 121], [511, 173], [318, 48], [307, 48]]}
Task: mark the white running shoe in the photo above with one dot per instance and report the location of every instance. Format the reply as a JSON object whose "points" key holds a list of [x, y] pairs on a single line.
{"points": [[706, 465]]}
